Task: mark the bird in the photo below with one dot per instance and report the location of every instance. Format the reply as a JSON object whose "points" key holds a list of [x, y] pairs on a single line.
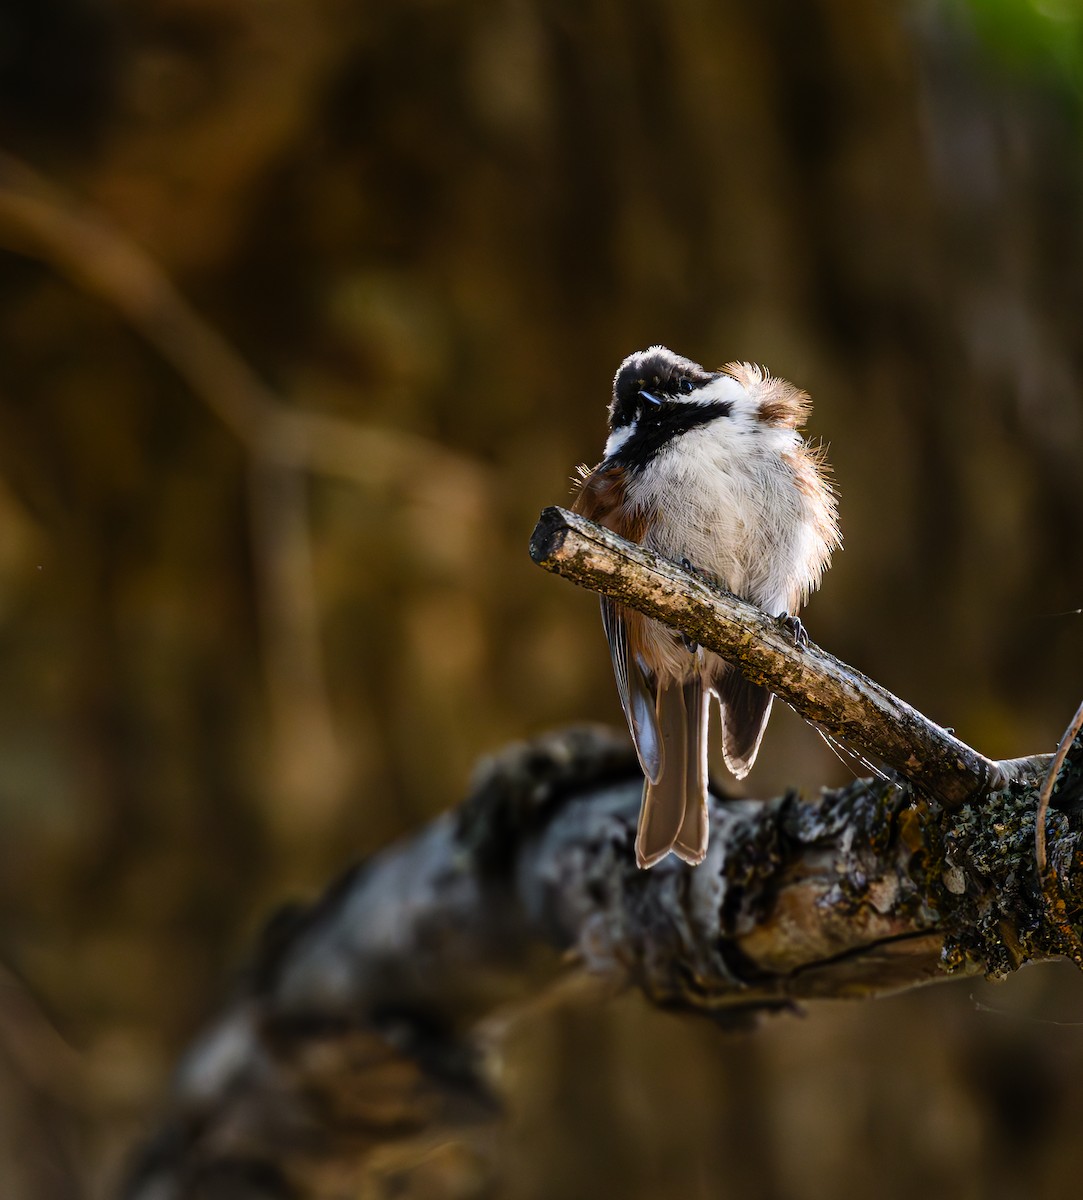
{"points": [[709, 469]]}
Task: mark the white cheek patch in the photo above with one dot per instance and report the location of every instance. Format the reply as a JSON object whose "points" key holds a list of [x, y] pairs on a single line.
{"points": [[618, 438], [722, 388]]}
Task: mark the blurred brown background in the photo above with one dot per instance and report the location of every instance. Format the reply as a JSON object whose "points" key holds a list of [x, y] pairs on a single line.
{"points": [[238, 654]]}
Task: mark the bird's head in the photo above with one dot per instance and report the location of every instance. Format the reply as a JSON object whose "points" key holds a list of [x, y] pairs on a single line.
{"points": [[658, 395]]}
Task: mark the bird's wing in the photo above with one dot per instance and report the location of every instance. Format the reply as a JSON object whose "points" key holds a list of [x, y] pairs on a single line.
{"points": [[745, 709], [636, 688]]}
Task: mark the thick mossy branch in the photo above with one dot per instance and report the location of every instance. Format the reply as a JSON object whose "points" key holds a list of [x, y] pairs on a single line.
{"points": [[355, 1028], [827, 692]]}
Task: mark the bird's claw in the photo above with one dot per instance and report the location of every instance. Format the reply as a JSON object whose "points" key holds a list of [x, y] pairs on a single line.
{"points": [[693, 647], [692, 569], [794, 626]]}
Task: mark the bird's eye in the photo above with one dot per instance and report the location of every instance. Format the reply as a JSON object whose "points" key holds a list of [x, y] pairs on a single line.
{"points": [[685, 385]]}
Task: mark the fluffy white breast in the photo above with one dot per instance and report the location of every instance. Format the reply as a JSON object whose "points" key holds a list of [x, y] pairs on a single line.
{"points": [[724, 496]]}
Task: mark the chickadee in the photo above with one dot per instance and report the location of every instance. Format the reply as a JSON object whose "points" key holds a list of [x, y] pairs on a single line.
{"points": [[705, 467]]}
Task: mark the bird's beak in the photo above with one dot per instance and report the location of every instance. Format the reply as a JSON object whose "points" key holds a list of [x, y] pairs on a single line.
{"points": [[652, 399]]}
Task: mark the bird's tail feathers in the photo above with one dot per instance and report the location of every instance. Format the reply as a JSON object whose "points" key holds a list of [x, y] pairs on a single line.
{"points": [[673, 816]]}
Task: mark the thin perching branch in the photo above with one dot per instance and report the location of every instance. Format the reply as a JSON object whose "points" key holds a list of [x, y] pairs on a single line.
{"points": [[829, 693]]}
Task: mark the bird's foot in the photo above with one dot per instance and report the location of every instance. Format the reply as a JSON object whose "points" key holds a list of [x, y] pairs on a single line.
{"points": [[693, 647], [699, 573], [793, 625]]}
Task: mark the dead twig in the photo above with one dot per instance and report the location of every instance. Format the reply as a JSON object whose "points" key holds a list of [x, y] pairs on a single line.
{"points": [[38, 221], [1056, 908], [281, 440]]}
